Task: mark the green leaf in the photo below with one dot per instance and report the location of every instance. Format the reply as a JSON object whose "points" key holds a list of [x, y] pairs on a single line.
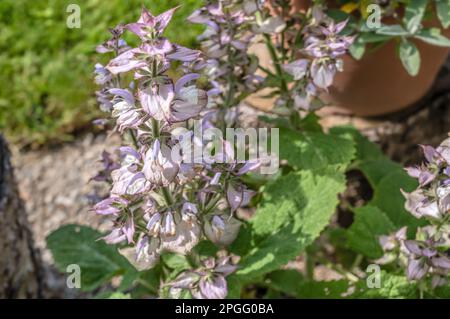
{"points": [[175, 261], [98, 261], [271, 253], [372, 37], [389, 199], [128, 280], [206, 248], [292, 283], [385, 176], [294, 211], [365, 150], [394, 30], [234, 287], [443, 12], [410, 57], [375, 170], [433, 36], [442, 292], [119, 295], [315, 150], [304, 199], [414, 14], [357, 49], [362, 236]]}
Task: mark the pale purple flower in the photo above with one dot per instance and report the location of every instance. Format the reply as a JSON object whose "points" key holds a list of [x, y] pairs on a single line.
{"points": [[424, 176], [149, 26], [186, 236], [444, 151], [419, 205], [417, 269], [128, 182], [176, 231], [393, 246], [145, 255], [424, 257], [159, 168], [116, 236], [103, 76], [323, 72], [222, 230], [432, 198], [297, 68], [115, 43], [169, 103], [124, 231], [110, 206], [249, 166], [226, 38], [183, 54], [206, 282], [109, 165], [125, 110], [270, 25], [125, 62], [104, 99], [238, 196]]}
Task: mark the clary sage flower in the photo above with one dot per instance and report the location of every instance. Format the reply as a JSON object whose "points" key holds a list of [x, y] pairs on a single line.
{"points": [[206, 282], [226, 40], [321, 58], [158, 202], [432, 198], [426, 255]]}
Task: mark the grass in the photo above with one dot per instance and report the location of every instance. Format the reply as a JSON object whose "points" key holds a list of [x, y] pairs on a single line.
{"points": [[47, 88]]}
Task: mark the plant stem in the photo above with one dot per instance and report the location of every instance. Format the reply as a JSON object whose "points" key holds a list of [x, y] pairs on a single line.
{"points": [[265, 70], [359, 258], [276, 62], [155, 128], [133, 138], [167, 196], [310, 263]]}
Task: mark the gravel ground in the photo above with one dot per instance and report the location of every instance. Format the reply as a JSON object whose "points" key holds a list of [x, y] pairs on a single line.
{"points": [[54, 184]]}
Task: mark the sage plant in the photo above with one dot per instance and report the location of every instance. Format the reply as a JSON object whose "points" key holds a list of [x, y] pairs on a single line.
{"points": [[163, 197], [431, 201], [306, 51], [231, 70], [426, 256]]}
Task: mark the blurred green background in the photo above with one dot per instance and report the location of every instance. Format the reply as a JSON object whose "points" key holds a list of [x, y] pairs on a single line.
{"points": [[46, 69]]}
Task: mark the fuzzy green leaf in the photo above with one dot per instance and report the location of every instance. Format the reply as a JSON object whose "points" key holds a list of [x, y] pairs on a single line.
{"points": [[394, 30], [443, 12], [414, 14], [315, 150], [433, 36], [410, 57], [292, 283], [98, 261], [391, 201], [370, 222], [294, 211]]}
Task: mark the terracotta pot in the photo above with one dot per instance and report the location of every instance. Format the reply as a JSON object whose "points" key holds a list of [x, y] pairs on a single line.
{"points": [[378, 83]]}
